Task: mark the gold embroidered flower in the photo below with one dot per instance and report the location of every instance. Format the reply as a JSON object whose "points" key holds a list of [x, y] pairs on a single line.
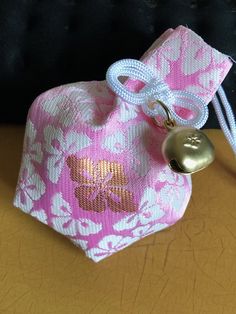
{"points": [[101, 185], [192, 141]]}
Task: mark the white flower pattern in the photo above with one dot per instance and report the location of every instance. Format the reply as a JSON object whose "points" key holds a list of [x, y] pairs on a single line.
{"points": [[62, 108], [171, 48], [127, 111], [115, 143], [80, 104], [83, 244], [211, 79], [172, 194], [161, 67], [64, 222], [172, 197], [143, 231], [149, 211], [171, 177], [59, 146], [32, 150], [197, 89], [108, 245], [196, 58], [93, 115], [40, 215], [30, 188], [118, 143]]}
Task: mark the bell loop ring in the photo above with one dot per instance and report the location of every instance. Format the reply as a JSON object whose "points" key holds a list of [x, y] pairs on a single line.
{"points": [[169, 122]]}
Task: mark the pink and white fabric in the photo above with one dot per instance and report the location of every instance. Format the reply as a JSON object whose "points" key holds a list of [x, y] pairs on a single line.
{"points": [[92, 167]]}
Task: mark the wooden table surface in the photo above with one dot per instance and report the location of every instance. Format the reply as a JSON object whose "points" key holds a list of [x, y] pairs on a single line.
{"points": [[188, 268]]}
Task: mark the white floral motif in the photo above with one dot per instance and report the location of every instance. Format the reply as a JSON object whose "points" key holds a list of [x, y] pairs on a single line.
{"points": [[127, 111], [30, 188], [62, 108], [83, 244], [134, 142], [100, 89], [59, 146], [64, 223], [160, 66], [160, 63], [40, 215], [80, 103], [137, 135], [149, 211], [197, 89], [171, 177], [143, 231], [115, 142], [32, 149], [93, 114], [89, 92], [217, 56], [196, 58], [172, 197], [141, 160], [211, 80], [108, 245], [171, 48]]}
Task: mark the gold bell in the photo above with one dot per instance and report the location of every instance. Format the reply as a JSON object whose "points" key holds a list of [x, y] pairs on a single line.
{"points": [[186, 150]]}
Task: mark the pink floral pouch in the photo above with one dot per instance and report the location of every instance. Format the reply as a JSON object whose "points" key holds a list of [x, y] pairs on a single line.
{"points": [[92, 167]]}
